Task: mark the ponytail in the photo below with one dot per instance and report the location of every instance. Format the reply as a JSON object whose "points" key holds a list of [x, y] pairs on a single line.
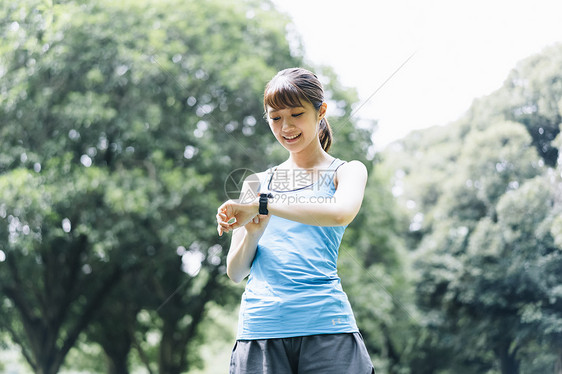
{"points": [[325, 134]]}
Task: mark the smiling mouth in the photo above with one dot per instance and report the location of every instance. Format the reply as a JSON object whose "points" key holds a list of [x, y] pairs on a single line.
{"points": [[291, 137]]}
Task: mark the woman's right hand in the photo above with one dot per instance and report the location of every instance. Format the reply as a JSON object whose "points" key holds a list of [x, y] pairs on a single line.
{"points": [[231, 209], [245, 211]]}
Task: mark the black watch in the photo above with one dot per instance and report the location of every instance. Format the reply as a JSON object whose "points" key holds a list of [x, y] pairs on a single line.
{"points": [[263, 203]]}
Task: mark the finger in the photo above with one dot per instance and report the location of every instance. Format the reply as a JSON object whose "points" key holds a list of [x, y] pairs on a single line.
{"points": [[256, 219], [222, 217], [222, 208]]}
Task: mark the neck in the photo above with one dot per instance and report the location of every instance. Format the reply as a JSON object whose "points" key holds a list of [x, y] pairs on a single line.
{"points": [[309, 158]]}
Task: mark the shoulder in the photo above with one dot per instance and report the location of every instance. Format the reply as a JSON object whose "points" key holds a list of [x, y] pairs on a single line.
{"points": [[355, 167], [353, 170], [248, 185], [254, 180]]}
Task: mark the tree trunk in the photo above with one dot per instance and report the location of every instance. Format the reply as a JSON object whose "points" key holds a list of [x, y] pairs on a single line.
{"points": [[509, 365], [173, 348], [558, 365], [175, 338], [117, 364], [47, 366], [508, 362]]}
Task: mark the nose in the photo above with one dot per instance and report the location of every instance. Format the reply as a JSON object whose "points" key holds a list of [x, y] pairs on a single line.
{"points": [[287, 123]]}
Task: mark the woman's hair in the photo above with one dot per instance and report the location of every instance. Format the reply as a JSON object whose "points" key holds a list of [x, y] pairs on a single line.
{"points": [[289, 88]]}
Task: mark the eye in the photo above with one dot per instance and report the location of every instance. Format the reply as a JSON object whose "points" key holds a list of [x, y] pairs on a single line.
{"points": [[298, 114], [275, 118]]}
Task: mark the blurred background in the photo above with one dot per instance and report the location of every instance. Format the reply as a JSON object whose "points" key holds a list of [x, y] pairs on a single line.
{"points": [[120, 123]]}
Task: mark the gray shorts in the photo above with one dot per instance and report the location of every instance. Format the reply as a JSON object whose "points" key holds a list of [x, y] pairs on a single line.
{"points": [[314, 354]]}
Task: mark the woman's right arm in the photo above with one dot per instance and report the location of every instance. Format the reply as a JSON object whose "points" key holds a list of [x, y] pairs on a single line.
{"points": [[245, 239], [241, 254]]}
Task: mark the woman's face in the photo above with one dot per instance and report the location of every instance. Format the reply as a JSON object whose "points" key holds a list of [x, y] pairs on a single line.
{"points": [[295, 128]]}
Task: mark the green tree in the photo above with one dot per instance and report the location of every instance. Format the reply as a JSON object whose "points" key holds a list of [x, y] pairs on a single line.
{"points": [[535, 89], [482, 200], [54, 277], [147, 104], [120, 123], [520, 248], [546, 315], [491, 163]]}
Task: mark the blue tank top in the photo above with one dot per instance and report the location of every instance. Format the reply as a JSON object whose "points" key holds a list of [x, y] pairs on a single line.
{"points": [[293, 288]]}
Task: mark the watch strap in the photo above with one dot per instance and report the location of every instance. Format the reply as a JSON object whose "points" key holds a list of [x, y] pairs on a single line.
{"points": [[263, 203]]}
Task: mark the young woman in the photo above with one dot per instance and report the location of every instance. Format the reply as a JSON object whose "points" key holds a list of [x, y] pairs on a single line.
{"points": [[294, 316]]}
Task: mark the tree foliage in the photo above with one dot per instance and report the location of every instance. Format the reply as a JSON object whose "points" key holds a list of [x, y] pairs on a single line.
{"points": [[483, 197], [120, 124]]}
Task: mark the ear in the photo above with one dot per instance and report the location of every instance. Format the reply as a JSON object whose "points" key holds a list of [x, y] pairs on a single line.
{"points": [[322, 111]]}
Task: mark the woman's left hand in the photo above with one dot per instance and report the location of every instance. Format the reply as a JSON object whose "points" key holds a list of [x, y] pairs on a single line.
{"points": [[243, 213]]}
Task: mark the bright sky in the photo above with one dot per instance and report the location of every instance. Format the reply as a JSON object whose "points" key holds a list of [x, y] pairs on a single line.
{"points": [[461, 50]]}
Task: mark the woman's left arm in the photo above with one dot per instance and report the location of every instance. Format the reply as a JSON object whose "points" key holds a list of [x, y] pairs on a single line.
{"points": [[337, 211]]}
